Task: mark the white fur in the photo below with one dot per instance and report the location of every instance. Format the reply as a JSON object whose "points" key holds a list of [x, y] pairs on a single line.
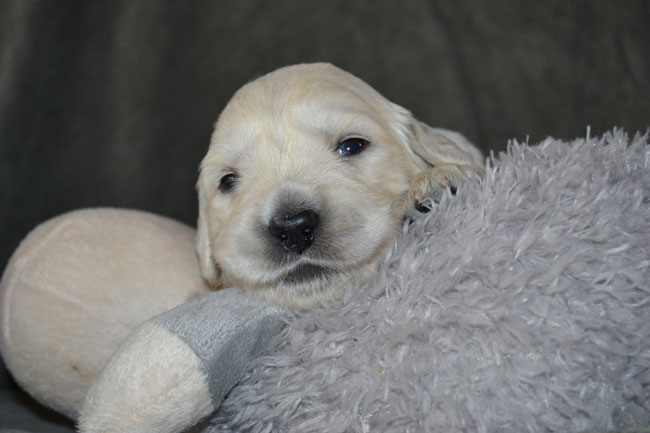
{"points": [[154, 383], [279, 135]]}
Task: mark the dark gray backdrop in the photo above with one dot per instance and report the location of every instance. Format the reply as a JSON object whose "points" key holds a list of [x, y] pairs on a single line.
{"points": [[111, 103]]}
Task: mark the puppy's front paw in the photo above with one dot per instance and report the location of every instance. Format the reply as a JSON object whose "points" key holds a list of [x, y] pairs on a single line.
{"points": [[429, 186]]}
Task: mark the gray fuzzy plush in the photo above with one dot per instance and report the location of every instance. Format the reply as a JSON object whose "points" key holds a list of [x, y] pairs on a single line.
{"points": [[522, 304]]}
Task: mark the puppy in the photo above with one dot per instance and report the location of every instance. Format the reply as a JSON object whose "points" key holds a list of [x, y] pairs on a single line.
{"points": [[309, 175]]}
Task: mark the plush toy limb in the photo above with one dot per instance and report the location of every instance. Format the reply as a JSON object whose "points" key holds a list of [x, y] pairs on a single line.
{"points": [[154, 383], [76, 288], [178, 367]]}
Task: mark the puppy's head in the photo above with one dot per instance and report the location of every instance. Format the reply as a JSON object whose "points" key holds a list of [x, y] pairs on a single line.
{"points": [[303, 187]]}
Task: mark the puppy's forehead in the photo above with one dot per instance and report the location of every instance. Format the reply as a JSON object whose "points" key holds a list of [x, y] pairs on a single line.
{"points": [[298, 85], [309, 96]]}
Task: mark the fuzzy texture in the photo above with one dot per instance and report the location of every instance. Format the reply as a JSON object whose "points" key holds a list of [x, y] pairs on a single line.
{"points": [[522, 304]]}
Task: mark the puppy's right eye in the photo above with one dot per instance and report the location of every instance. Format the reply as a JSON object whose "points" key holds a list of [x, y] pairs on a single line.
{"points": [[352, 146], [227, 182]]}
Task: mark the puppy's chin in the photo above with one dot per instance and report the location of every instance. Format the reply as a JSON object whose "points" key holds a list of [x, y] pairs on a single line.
{"points": [[306, 288], [307, 273], [306, 285]]}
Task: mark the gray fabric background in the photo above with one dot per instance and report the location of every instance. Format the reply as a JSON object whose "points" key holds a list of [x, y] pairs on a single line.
{"points": [[112, 102]]}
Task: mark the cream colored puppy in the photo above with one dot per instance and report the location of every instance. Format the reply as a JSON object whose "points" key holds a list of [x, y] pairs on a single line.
{"points": [[308, 178]]}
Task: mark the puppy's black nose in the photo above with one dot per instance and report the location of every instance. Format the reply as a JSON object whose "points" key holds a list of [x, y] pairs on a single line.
{"points": [[296, 232]]}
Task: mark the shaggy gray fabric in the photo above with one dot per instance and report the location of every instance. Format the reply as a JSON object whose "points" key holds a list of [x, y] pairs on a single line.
{"points": [[521, 304]]}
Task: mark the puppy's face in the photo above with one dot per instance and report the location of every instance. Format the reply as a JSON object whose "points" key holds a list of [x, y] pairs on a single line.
{"points": [[303, 187]]}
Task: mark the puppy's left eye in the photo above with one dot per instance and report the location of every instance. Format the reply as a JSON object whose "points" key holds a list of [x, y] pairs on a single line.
{"points": [[352, 146], [227, 182]]}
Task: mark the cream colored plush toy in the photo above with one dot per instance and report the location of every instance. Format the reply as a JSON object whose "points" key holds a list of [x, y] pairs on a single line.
{"points": [[105, 318]]}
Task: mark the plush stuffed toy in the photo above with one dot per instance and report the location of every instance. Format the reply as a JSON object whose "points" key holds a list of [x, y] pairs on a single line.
{"points": [[87, 282], [520, 304]]}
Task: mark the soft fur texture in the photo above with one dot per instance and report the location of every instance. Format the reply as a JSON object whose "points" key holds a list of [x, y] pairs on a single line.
{"points": [[277, 144], [521, 304]]}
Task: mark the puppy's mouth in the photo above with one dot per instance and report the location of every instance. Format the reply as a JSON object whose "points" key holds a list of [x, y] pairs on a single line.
{"points": [[306, 272]]}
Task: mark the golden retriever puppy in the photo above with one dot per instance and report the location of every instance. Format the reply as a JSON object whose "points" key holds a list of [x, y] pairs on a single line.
{"points": [[307, 181]]}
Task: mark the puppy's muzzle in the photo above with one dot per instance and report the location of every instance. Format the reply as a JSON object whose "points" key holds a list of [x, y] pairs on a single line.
{"points": [[295, 232]]}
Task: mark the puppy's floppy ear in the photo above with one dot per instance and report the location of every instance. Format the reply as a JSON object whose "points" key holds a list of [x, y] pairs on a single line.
{"points": [[203, 248], [431, 147], [440, 159], [438, 146]]}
